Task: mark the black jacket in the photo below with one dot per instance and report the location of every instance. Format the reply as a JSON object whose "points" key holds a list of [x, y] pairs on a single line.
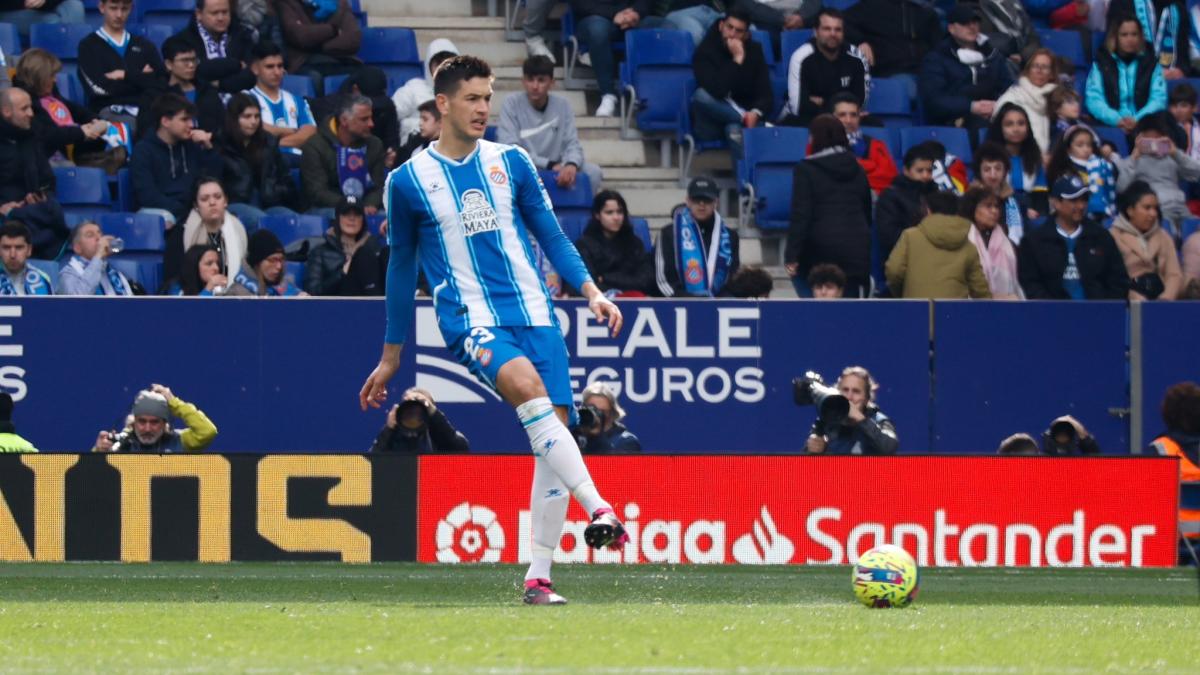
{"points": [[227, 72], [876, 435], [210, 111], [1106, 63], [948, 87], [323, 273], [664, 258], [900, 33], [749, 84], [899, 208], [620, 263], [55, 138], [25, 169], [164, 175], [831, 213], [96, 58], [618, 440], [818, 76], [1042, 259], [263, 185], [608, 8], [438, 436]]}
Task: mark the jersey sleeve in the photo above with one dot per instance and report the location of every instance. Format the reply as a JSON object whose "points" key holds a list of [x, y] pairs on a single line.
{"points": [[402, 261], [538, 213], [304, 114]]}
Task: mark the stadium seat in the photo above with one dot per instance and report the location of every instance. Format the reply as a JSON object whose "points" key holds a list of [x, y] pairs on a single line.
{"points": [[890, 138], [642, 229], [658, 63], [154, 32], [373, 223], [10, 41], [77, 214], [173, 13], [295, 270], [572, 223], [685, 135], [573, 48], [1065, 43], [771, 145], [82, 187], [771, 155], [299, 85], [334, 82], [293, 228], [888, 100], [393, 50], [50, 267], [569, 201], [790, 41], [954, 138], [763, 38], [141, 231], [70, 88], [60, 39], [489, 134], [1114, 136], [1194, 81], [1189, 227], [147, 271]]}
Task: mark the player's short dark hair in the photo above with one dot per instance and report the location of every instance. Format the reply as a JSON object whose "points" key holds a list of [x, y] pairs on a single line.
{"points": [[831, 12], [750, 281], [740, 13], [844, 97], [1018, 444], [457, 70], [942, 202], [430, 107], [1156, 123], [990, 151], [921, 151], [176, 45], [1184, 93], [1181, 408], [538, 65], [15, 229], [265, 49], [826, 273], [439, 58], [171, 104]]}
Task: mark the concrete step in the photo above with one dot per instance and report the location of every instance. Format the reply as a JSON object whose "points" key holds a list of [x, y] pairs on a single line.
{"points": [[378, 10], [449, 25], [608, 153], [652, 203], [640, 173]]}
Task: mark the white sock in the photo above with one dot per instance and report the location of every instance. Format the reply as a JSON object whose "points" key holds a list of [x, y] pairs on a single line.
{"points": [[553, 442], [548, 503]]}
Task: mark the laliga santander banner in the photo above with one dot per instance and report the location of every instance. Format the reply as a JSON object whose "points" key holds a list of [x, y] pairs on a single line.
{"points": [[946, 511]]}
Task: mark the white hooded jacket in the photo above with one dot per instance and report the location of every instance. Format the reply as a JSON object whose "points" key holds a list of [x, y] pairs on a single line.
{"points": [[416, 91]]}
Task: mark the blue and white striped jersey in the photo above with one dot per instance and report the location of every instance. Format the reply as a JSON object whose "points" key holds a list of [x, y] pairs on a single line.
{"points": [[469, 223]]}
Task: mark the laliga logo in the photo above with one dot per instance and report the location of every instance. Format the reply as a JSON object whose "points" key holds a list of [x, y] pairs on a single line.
{"points": [[765, 546], [469, 534]]}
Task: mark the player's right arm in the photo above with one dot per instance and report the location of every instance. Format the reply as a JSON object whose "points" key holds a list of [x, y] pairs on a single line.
{"points": [[401, 286]]}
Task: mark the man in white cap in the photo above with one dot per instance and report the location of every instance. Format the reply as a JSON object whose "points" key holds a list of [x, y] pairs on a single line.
{"points": [[147, 429]]}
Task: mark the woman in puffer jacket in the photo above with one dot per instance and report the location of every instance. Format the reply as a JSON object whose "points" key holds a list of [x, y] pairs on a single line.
{"points": [[1148, 251]]}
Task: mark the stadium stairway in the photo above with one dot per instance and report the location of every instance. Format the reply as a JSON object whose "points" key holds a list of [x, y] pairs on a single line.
{"points": [[634, 167]]}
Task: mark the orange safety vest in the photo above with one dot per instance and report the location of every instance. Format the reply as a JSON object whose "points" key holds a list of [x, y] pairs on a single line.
{"points": [[1188, 472]]}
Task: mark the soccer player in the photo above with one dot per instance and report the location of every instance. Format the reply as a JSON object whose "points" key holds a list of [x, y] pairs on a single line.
{"points": [[465, 208]]}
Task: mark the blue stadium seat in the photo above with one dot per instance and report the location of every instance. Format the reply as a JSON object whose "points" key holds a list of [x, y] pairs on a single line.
{"points": [[295, 270], [334, 82], [658, 63], [373, 223], [299, 85], [75, 215], [1114, 136], [60, 39], [642, 229], [489, 134], [790, 41], [1066, 43], [147, 270], [1194, 81], [572, 223], [70, 88], [763, 38], [685, 135], [841, 5], [771, 145], [771, 155], [154, 32], [50, 267], [293, 228], [141, 231], [10, 41], [569, 201], [955, 139], [888, 100], [393, 50], [890, 137], [173, 13], [1190, 227], [82, 188]]}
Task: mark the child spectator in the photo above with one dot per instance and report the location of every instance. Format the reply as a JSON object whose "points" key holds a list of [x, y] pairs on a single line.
{"points": [[254, 173], [284, 115], [322, 38], [117, 68], [1065, 110], [165, 164], [60, 123], [827, 281], [1076, 153], [200, 274], [1126, 82], [1156, 160], [1182, 105], [900, 206], [181, 62], [992, 169], [419, 90], [222, 45], [428, 132], [349, 261], [872, 154], [614, 255]]}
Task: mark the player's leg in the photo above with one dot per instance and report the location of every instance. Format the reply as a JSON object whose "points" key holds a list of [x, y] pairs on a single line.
{"points": [[548, 503]]}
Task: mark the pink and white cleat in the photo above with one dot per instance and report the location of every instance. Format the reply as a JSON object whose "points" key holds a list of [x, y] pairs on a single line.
{"points": [[541, 592], [605, 530]]}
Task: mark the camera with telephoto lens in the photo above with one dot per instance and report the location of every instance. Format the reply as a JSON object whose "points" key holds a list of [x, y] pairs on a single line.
{"points": [[1061, 439], [590, 418], [412, 414], [832, 407], [120, 439]]}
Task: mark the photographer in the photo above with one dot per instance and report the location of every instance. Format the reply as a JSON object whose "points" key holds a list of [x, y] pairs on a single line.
{"points": [[1068, 436], [600, 430], [865, 429], [148, 428], [416, 426]]}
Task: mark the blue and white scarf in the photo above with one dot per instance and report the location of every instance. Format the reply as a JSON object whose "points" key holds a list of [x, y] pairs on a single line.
{"points": [[1013, 220], [1026, 182], [117, 281], [353, 175], [213, 48], [35, 283], [285, 288], [703, 274], [1160, 33], [322, 9], [117, 45]]}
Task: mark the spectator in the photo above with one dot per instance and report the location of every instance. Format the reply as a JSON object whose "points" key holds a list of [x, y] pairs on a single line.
{"points": [[322, 38], [1027, 175], [1076, 154], [1125, 83], [613, 253], [822, 68], [1156, 160], [1181, 103], [981, 206], [544, 125], [20, 278], [200, 274], [536, 13], [962, 78], [935, 258], [733, 84], [416, 425], [949, 172], [344, 160], [865, 431], [371, 82], [165, 164], [1019, 445], [60, 123], [750, 281], [180, 60], [259, 17], [1065, 110], [775, 16], [349, 262], [1149, 252], [1166, 25], [88, 272], [901, 206], [1074, 259], [262, 274], [872, 154], [1008, 26], [694, 16], [26, 180], [1075, 14], [1181, 438], [1038, 80], [9, 440], [697, 252], [831, 211], [429, 131], [148, 428], [601, 432], [894, 36], [419, 90], [1067, 436], [284, 115], [826, 281], [254, 173], [992, 169], [598, 23], [1190, 252], [208, 223], [223, 46], [115, 67], [25, 13]]}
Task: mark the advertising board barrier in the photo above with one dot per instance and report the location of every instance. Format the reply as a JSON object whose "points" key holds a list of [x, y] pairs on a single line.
{"points": [[947, 511]]}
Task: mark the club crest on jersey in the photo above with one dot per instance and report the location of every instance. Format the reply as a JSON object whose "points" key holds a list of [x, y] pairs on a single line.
{"points": [[497, 176], [477, 214]]}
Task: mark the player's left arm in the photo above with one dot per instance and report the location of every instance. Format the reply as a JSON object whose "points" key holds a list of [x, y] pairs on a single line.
{"points": [[538, 214]]}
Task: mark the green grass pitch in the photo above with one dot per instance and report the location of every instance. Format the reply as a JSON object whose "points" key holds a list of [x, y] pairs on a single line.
{"points": [[326, 617]]}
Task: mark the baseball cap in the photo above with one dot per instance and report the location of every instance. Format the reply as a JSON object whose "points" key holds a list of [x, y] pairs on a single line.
{"points": [[703, 188], [349, 205], [962, 14], [1069, 187]]}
